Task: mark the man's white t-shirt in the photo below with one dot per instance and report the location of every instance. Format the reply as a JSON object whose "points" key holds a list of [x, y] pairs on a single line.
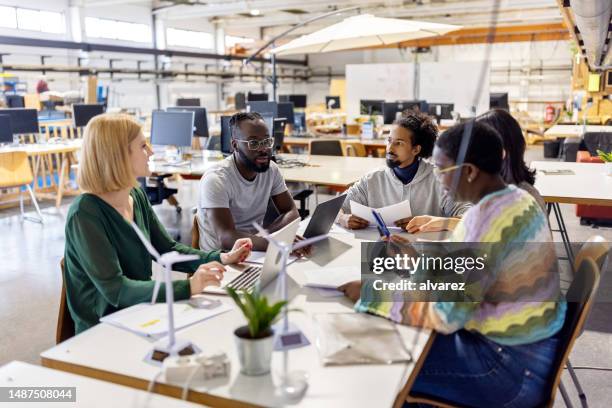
{"points": [[222, 186]]}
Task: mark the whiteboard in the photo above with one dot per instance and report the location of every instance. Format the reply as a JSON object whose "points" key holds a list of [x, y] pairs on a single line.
{"points": [[439, 82], [377, 81]]}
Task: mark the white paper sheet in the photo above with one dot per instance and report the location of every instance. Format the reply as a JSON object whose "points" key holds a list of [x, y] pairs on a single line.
{"points": [[152, 320], [390, 213], [331, 278], [258, 257]]}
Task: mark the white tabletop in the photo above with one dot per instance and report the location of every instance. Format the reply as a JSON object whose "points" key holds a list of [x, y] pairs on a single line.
{"points": [[574, 130], [588, 185], [90, 393], [109, 350], [45, 148], [338, 171]]}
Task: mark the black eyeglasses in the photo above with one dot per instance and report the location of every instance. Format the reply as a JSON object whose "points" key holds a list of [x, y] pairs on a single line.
{"points": [[258, 144]]}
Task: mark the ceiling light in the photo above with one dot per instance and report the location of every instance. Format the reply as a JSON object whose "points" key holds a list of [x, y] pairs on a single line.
{"points": [[255, 12]]}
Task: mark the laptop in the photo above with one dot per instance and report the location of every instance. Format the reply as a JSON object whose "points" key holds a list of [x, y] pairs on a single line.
{"points": [[324, 216], [249, 276]]}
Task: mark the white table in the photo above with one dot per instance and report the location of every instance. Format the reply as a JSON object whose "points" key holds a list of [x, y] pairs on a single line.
{"points": [[570, 131], [116, 355], [588, 185], [90, 393]]}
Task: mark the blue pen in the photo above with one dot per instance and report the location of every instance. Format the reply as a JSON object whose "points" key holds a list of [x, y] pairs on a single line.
{"points": [[381, 224]]}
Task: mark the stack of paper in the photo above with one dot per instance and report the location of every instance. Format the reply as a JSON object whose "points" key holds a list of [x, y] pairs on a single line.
{"points": [[150, 320]]}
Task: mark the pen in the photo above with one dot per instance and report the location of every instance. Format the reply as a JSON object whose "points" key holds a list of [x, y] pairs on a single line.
{"points": [[381, 224]]}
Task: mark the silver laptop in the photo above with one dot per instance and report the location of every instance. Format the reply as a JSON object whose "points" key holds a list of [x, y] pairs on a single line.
{"points": [[248, 276]]}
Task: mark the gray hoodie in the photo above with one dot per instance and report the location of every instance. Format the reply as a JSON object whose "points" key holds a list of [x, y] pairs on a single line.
{"points": [[381, 188]]}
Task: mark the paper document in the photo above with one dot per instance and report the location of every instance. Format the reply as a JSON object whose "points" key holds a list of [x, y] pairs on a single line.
{"points": [[331, 278], [258, 257], [390, 213], [152, 320]]}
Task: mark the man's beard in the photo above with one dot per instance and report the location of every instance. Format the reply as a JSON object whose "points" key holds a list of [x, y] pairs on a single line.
{"points": [[252, 165], [393, 163]]}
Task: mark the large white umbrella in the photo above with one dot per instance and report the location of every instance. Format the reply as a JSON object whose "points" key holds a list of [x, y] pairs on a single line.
{"points": [[362, 31]]}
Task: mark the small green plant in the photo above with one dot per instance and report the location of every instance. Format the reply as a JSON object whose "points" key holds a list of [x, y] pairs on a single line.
{"points": [[606, 157], [259, 314]]}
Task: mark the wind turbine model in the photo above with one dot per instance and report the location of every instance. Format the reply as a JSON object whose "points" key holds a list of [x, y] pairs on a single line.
{"points": [[170, 346]]}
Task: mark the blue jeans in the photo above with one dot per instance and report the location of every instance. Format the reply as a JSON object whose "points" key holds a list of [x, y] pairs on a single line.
{"points": [[469, 369]]}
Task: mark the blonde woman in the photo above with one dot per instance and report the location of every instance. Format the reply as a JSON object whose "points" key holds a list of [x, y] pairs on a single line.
{"points": [[106, 266]]}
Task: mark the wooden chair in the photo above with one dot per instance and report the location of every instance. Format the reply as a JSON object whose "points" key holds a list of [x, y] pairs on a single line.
{"points": [[355, 149], [195, 233], [65, 324], [580, 297], [15, 172]]}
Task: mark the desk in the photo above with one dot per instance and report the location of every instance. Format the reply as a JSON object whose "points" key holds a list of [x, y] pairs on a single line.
{"points": [[89, 393], [48, 159], [588, 185], [573, 131], [335, 171], [116, 355], [371, 145]]}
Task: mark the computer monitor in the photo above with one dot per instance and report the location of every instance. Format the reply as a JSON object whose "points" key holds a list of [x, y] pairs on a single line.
{"points": [[371, 106], [332, 102], [278, 132], [263, 108], [172, 128], [391, 110], [15, 101], [299, 100], [188, 102], [240, 101], [499, 100], [226, 135], [285, 110], [82, 113], [23, 121], [299, 122], [200, 120], [441, 110], [251, 97], [6, 134]]}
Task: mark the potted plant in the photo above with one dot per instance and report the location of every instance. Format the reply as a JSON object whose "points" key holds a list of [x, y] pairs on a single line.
{"points": [[607, 158], [255, 341]]}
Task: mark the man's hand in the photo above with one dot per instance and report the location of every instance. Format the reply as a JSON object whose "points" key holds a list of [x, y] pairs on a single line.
{"points": [[402, 222], [351, 290], [351, 221], [301, 252], [427, 223], [208, 274]]}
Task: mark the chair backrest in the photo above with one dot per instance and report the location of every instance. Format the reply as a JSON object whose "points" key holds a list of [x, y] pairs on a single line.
{"points": [[598, 140], [356, 149], [579, 301], [15, 169], [326, 147], [596, 248], [195, 233], [65, 324]]}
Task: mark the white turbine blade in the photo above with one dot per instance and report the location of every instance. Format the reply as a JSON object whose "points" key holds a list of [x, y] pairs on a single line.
{"points": [[146, 242], [155, 290], [173, 257], [306, 242]]}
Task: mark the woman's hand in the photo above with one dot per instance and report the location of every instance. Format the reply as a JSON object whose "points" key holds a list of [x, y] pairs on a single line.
{"points": [[427, 223], [351, 290], [239, 253], [208, 274], [351, 221]]}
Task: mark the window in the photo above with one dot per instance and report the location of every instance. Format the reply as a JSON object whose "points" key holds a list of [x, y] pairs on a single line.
{"points": [[28, 19], [232, 40], [187, 38], [8, 17], [37, 20], [117, 30], [52, 22]]}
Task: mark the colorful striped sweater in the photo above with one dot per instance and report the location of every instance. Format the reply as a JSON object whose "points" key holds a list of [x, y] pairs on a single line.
{"points": [[526, 273]]}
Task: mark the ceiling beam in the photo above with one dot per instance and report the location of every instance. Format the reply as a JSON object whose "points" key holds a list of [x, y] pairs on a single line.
{"points": [[532, 32]]}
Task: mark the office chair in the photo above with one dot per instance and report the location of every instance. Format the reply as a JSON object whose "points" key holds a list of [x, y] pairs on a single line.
{"points": [[65, 325], [326, 148], [15, 172], [158, 192]]}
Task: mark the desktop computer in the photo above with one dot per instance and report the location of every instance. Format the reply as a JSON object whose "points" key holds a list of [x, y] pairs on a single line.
{"points": [[240, 101], [499, 100], [264, 108], [226, 136], [371, 106], [15, 101], [252, 97], [6, 134], [299, 100], [285, 110], [200, 119], [172, 128], [299, 123], [82, 113], [441, 110], [23, 121]]}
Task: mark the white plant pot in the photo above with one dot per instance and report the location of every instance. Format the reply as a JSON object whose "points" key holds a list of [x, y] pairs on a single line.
{"points": [[254, 355], [608, 167]]}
